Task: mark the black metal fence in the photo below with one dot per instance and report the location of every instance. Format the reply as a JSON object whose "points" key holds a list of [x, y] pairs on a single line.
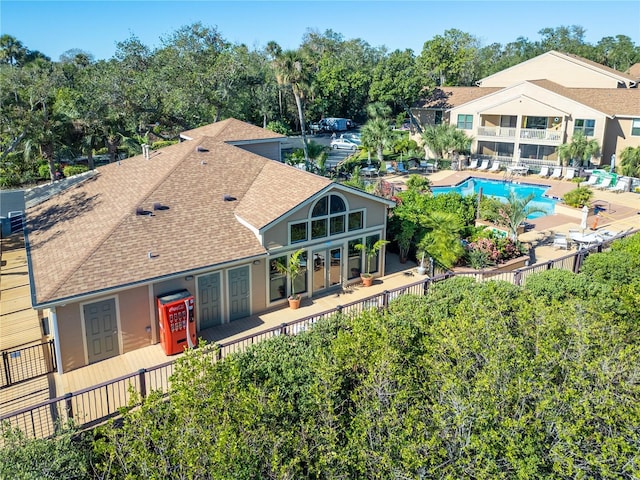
{"points": [[25, 363], [96, 404]]}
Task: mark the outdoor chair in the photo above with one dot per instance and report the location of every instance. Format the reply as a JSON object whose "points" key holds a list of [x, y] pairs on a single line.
{"points": [[484, 166], [400, 168], [621, 186], [557, 173], [389, 167], [473, 165], [571, 173], [560, 241], [593, 180], [604, 184], [544, 172], [495, 167]]}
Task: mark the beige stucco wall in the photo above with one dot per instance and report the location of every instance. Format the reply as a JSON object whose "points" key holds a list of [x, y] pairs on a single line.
{"points": [[556, 69], [375, 215], [269, 150], [134, 318], [71, 340], [618, 136]]}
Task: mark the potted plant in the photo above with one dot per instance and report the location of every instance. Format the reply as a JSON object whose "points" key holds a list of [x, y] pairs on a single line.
{"points": [[369, 251], [293, 270]]}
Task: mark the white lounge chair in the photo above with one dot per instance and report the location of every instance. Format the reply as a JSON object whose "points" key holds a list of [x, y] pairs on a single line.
{"points": [[593, 180], [571, 173], [484, 166], [557, 173], [473, 164], [495, 167], [560, 241], [621, 186], [604, 184], [544, 171]]}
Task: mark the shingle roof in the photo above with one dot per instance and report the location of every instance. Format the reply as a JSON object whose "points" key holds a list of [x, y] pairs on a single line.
{"points": [[89, 237], [450, 97], [611, 101]]}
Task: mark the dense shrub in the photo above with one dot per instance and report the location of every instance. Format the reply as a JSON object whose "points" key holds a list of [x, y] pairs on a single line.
{"points": [[279, 127], [578, 197], [71, 170], [162, 143]]}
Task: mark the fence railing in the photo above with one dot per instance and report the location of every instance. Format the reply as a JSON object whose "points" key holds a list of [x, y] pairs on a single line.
{"points": [[96, 404], [25, 363]]}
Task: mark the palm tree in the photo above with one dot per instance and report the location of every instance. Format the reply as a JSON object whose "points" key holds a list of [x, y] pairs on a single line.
{"points": [[580, 149], [290, 72], [445, 139], [630, 162], [442, 239], [376, 135], [516, 211]]}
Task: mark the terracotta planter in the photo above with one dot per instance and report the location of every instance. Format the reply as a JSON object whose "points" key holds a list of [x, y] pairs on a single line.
{"points": [[294, 302], [367, 280]]}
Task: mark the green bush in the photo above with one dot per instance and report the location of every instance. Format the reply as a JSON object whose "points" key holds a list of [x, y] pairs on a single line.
{"points": [[43, 170], [578, 197], [278, 127], [162, 143], [71, 170]]}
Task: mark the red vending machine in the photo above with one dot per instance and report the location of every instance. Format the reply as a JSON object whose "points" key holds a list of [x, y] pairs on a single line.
{"points": [[176, 316]]}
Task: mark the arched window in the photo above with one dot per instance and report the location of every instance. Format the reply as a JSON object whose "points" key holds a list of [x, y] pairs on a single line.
{"points": [[330, 216]]}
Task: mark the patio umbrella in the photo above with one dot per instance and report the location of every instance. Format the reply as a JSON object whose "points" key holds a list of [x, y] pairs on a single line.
{"points": [[583, 221], [516, 156]]}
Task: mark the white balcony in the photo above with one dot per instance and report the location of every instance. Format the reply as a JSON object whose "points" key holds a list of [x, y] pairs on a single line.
{"points": [[497, 132], [550, 135]]}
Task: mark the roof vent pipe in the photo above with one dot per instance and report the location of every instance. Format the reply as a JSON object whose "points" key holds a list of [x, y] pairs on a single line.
{"points": [[145, 151]]}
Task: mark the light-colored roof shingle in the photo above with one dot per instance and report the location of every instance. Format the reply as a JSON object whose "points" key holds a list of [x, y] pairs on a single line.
{"points": [[89, 237]]}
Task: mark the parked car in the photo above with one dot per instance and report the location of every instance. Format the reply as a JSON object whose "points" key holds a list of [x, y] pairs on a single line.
{"points": [[352, 137], [343, 143]]}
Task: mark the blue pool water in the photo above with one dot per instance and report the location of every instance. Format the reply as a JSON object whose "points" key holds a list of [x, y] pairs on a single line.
{"points": [[500, 190]]}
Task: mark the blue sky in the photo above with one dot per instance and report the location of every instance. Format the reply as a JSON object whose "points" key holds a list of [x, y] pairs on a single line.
{"points": [[54, 27]]}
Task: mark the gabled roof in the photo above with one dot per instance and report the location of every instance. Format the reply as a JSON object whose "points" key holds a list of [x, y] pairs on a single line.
{"points": [[89, 238], [445, 98], [610, 72], [231, 130], [610, 101]]}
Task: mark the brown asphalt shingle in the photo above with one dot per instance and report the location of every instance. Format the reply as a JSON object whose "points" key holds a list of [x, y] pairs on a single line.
{"points": [[89, 238]]}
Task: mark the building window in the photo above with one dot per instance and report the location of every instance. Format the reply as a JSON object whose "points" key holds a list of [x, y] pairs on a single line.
{"points": [[298, 232], [635, 127], [437, 120], [329, 216], [465, 122], [318, 229], [585, 126], [277, 281], [356, 221]]}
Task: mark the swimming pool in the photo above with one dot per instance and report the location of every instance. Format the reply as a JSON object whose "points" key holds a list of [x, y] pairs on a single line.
{"points": [[500, 190]]}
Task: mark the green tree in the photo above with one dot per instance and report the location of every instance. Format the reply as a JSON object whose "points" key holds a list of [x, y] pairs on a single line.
{"points": [[516, 211], [442, 239], [291, 72], [396, 81], [579, 150], [450, 59], [630, 162], [443, 140]]}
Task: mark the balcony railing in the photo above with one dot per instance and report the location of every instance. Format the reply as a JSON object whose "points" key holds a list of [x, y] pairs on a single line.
{"points": [[498, 132], [548, 135], [536, 134]]}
